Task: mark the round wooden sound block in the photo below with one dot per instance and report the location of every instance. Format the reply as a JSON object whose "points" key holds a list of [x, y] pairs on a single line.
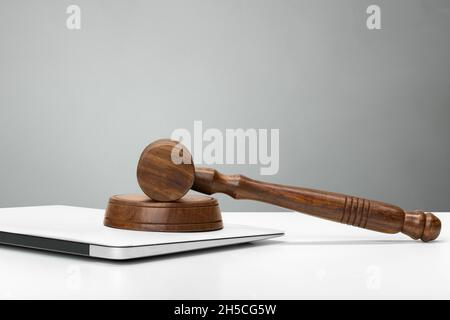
{"points": [[138, 212]]}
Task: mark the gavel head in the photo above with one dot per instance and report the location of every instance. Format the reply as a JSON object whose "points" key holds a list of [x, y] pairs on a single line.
{"points": [[165, 170]]}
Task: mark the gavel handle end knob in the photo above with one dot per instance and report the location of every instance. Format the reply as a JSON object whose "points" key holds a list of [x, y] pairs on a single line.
{"points": [[421, 225]]}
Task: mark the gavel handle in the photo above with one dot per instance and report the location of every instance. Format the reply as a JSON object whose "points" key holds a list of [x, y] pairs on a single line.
{"points": [[358, 212]]}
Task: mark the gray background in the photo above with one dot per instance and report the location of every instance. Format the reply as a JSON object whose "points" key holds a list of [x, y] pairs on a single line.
{"points": [[361, 112]]}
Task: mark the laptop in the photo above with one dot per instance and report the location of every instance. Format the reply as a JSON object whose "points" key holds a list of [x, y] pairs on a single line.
{"points": [[80, 231]]}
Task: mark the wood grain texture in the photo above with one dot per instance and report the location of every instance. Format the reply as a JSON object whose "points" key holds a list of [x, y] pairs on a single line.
{"points": [[163, 180], [159, 177], [192, 213], [363, 213]]}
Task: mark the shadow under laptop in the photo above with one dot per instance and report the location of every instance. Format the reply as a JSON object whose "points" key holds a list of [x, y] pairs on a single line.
{"points": [[235, 248], [169, 256]]}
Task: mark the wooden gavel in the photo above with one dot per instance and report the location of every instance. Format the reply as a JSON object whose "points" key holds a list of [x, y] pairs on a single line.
{"points": [[166, 173]]}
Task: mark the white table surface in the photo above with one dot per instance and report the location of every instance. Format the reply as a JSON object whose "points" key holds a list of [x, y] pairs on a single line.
{"points": [[315, 259]]}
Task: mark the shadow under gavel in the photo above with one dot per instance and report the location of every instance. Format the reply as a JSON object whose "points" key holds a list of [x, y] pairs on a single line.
{"points": [[166, 173]]}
